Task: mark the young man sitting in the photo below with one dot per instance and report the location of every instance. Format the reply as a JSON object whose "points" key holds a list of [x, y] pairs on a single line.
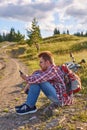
{"points": [[49, 81]]}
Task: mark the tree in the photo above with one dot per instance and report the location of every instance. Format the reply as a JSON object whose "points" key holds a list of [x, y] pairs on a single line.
{"points": [[86, 34], [77, 34], [11, 35], [34, 34], [1, 38], [15, 37], [19, 36], [68, 32], [56, 31], [81, 33], [64, 32]]}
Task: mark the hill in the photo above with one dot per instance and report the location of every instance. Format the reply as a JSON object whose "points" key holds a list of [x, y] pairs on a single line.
{"points": [[66, 118]]}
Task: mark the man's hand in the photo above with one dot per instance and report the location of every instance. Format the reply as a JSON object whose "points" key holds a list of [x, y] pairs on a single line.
{"points": [[23, 76], [26, 88]]}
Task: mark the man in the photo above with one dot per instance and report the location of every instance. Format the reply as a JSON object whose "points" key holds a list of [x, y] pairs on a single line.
{"points": [[49, 81]]}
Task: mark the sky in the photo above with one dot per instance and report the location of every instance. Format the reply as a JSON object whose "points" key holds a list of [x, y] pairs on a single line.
{"points": [[50, 14]]}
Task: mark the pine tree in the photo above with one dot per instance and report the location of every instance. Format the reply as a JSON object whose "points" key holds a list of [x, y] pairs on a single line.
{"points": [[86, 34], [19, 36], [11, 35], [34, 34], [68, 32], [56, 31], [1, 38], [64, 32]]}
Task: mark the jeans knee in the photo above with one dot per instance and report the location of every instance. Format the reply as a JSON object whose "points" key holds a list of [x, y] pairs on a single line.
{"points": [[53, 99]]}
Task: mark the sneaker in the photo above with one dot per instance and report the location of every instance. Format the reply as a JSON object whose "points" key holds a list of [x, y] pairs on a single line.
{"points": [[18, 107], [25, 109]]}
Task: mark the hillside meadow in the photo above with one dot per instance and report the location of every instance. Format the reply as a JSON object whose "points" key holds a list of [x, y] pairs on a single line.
{"points": [[60, 46]]}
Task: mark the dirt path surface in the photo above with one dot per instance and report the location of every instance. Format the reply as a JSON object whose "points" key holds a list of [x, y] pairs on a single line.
{"points": [[10, 81], [10, 88]]}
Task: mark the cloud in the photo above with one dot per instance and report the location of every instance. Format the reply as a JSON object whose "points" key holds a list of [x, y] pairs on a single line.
{"points": [[73, 15], [25, 10], [78, 10], [64, 14], [3, 31]]}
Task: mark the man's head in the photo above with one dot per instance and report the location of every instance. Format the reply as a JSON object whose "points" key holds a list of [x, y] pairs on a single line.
{"points": [[46, 59]]}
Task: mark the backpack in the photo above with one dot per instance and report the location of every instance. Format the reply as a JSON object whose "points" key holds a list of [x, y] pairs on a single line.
{"points": [[72, 80]]}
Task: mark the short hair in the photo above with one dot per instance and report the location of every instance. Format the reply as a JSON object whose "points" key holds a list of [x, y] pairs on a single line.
{"points": [[47, 55]]}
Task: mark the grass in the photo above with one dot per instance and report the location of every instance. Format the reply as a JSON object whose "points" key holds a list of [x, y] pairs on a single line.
{"points": [[80, 117], [60, 50]]}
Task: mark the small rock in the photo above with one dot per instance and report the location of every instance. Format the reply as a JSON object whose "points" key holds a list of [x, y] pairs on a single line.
{"points": [[21, 127], [78, 95], [33, 118], [79, 128]]}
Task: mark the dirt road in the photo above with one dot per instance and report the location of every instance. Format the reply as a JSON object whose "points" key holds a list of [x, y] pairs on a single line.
{"points": [[10, 82], [10, 89]]}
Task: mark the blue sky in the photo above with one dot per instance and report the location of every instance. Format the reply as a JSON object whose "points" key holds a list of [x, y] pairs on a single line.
{"points": [[62, 14]]}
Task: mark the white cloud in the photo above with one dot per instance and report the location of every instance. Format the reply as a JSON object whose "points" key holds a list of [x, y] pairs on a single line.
{"points": [[26, 11], [64, 14], [73, 15], [41, 1], [4, 31], [77, 10], [14, 2]]}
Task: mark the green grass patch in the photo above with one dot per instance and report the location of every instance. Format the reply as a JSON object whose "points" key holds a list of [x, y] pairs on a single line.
{"points": [[60, 46], [82, 116]]}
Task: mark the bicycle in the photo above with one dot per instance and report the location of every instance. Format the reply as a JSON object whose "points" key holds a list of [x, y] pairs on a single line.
{"points": [[73, 65]]}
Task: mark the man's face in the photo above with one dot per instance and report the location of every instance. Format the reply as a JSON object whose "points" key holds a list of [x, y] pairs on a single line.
{"points": [[43, 64]]}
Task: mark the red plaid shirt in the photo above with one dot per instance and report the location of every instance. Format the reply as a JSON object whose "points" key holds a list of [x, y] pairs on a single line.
{"points": [[52, 75]]}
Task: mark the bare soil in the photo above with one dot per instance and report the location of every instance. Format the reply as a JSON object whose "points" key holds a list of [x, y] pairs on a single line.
{"points": [[10, 89], [10, 95]]}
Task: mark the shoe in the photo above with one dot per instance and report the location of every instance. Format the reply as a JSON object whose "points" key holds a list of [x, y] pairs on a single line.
{"points": [[25, 109], [18, 107]]}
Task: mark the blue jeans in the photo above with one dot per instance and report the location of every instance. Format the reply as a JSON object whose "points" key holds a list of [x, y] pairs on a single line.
{"points": [[34, 92]]}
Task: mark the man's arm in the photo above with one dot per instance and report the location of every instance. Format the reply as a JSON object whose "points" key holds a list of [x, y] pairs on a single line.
{"points": [[47, 75]]}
